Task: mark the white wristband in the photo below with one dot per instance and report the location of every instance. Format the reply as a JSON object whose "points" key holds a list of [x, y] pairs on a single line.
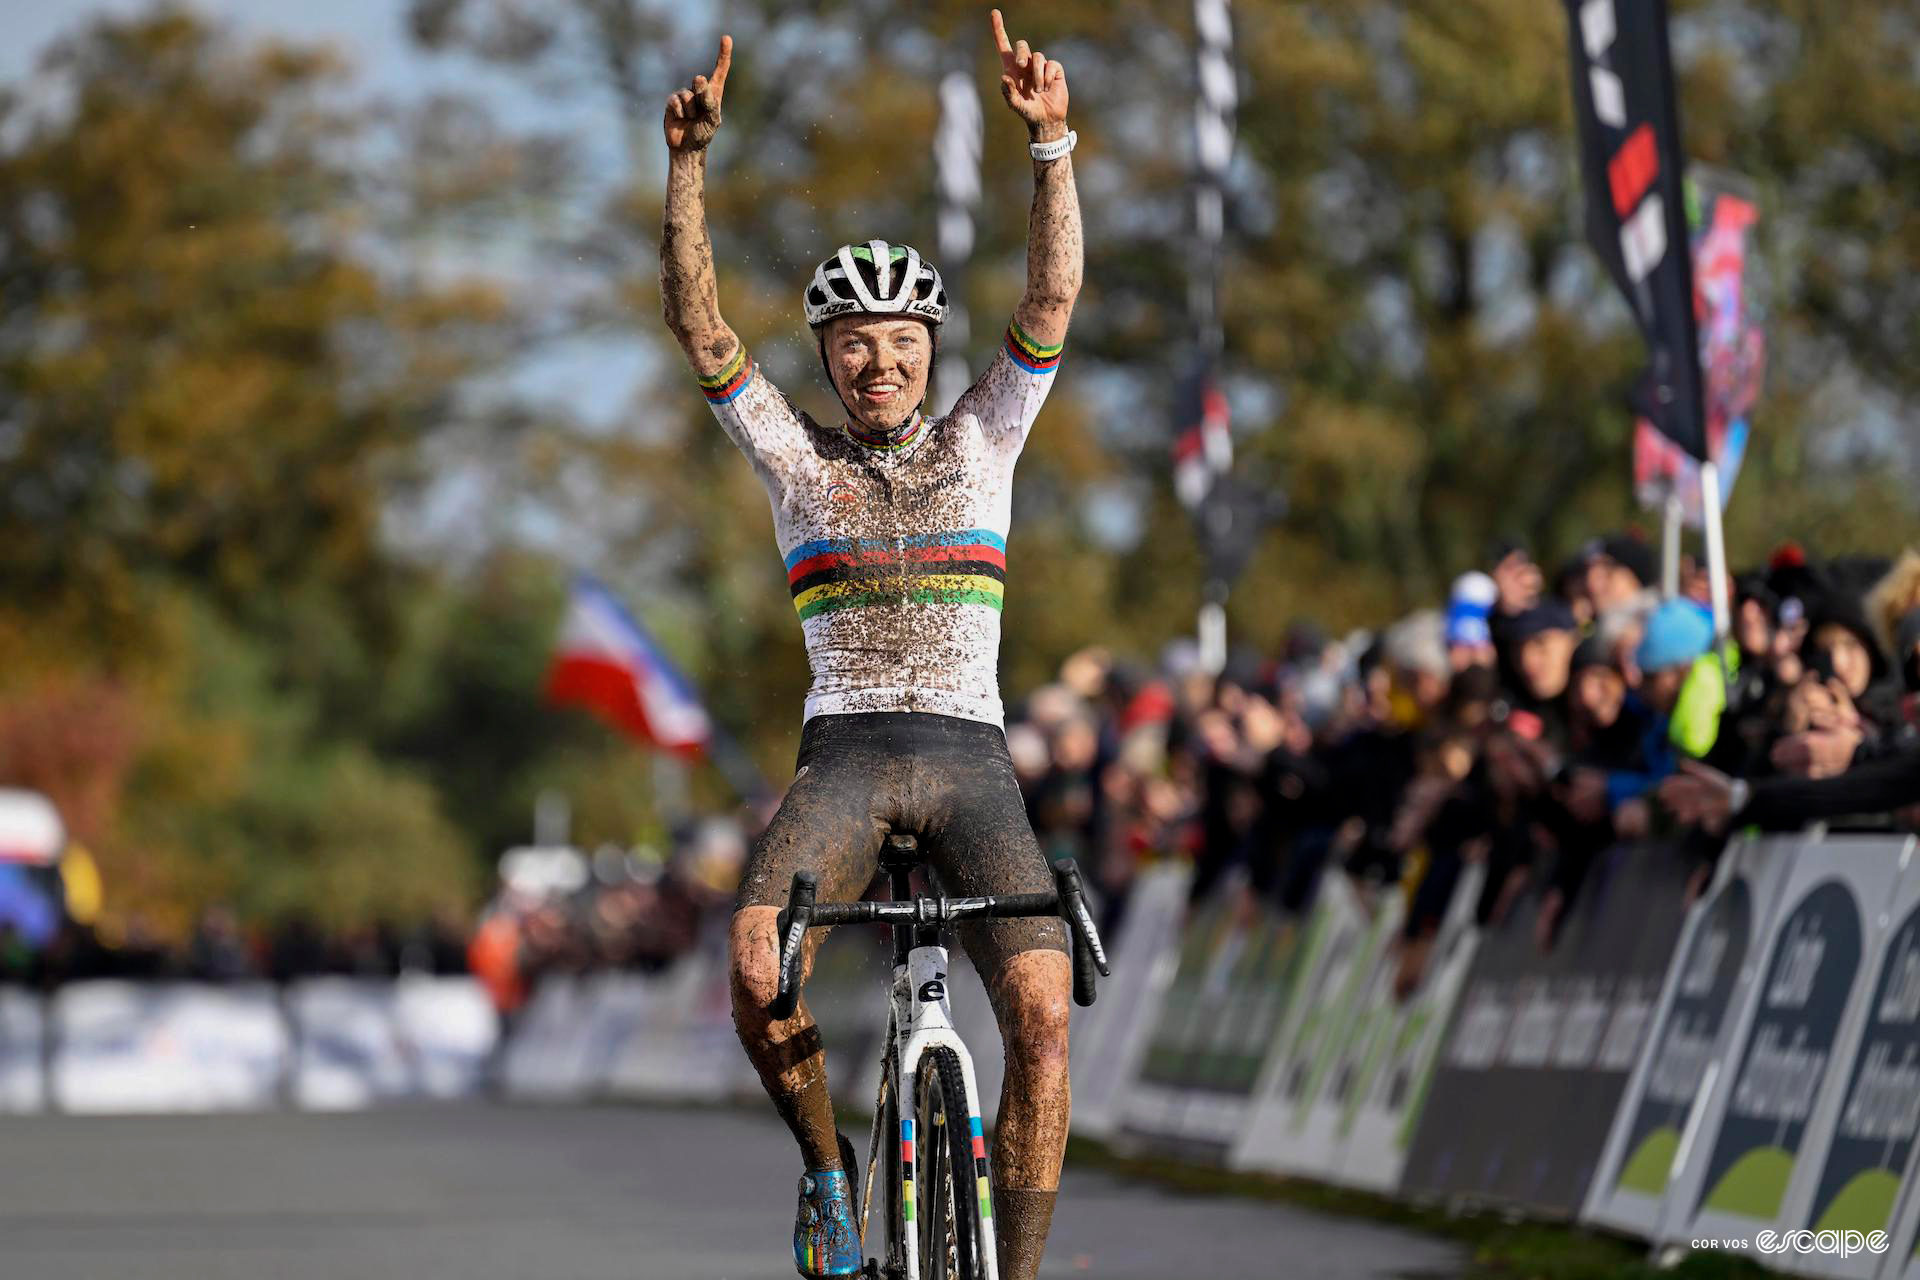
{"points": [[1053, 150]]}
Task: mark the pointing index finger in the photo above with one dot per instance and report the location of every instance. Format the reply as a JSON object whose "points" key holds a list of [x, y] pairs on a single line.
{"points": [[1000, 39], [722, 63]]}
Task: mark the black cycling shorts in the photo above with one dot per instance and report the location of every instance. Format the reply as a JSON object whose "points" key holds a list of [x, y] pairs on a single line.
{"points": [[945, 780]]}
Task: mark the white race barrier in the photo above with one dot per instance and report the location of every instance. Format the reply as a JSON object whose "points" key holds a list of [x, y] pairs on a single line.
{"points": [[164, 1047], [1301, 1099], [1110, 1039], [23, 1076], [360, 1042], [348, 1055], [449, 1026]]}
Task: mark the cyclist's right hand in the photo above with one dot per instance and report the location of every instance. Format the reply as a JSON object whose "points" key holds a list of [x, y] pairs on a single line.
{"points": [[693, 114]]}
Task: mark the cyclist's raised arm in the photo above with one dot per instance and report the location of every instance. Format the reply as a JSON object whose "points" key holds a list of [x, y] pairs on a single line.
{"points": [[688, 293], [1036, 89], [755, 416], [1009, 394]]}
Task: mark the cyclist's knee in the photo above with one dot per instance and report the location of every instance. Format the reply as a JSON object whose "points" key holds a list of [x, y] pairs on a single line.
{"points": [[753, 963], [1031, 994]]}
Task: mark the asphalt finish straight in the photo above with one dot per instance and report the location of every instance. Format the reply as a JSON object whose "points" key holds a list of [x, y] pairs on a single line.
{"points": [[567, 1193]]}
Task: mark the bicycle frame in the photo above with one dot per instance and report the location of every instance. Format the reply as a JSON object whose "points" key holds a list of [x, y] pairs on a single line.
{"points": [[920, 1017]]}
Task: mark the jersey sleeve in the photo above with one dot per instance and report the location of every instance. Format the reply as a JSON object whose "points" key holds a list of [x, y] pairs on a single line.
{"points": [[1008, 396], [759, 420]]}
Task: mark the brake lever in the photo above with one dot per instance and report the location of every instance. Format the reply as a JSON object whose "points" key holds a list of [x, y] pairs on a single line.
{"points": [[793, 925], [1088, 954]]}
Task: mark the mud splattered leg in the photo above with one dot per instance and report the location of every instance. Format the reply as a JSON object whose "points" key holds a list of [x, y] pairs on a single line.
{"points": [[825, 825], [1030, 1000], [788, 1055]]}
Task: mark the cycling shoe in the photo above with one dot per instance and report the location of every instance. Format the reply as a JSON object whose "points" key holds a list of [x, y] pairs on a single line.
{"points": [[826, 1227]]}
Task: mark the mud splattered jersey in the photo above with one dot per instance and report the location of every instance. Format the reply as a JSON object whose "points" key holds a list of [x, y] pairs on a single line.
{"points": [[896, 552]]}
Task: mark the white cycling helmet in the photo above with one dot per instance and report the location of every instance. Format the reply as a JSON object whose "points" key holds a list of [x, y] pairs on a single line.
{"points": [[876, 278]]}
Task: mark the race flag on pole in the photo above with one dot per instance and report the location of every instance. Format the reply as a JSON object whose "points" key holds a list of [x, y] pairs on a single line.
{"points": [[1629, 123], [1733, 352], [607, 663], [1203, 448]]}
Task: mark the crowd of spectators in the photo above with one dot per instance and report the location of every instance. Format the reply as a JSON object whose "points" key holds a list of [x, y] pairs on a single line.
{"points": [[220, 948], [1529, 723]]}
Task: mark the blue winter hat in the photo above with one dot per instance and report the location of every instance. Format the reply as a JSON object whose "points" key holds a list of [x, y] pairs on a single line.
{"points": [[1467, 625], [1678, 632]]}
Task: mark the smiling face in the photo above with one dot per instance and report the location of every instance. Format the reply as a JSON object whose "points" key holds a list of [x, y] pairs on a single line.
{"points": [[879, 367]]}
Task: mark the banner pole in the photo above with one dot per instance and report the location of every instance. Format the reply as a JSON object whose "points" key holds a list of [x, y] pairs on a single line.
{"points": [[1213, 637], [1670, 547], [1716, 546]]}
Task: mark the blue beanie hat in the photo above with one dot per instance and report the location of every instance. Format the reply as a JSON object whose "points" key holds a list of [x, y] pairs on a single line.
{"points": [[1467, 625], [1678, 632]]}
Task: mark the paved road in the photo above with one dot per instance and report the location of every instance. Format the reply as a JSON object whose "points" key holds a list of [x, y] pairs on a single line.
{"points": [[498, 1193]]}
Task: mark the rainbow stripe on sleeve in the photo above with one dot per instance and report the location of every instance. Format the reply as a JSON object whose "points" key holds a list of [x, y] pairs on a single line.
{"points": [[726, 385], [1031, 355], [965, 567]]}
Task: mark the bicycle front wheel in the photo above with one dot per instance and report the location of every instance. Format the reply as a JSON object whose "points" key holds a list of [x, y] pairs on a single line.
{"points": [[950, 1180]]}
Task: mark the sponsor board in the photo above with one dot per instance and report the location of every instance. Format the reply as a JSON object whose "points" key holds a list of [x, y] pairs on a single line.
{"points": [[1110, 1039], [1781, 1083], [1542, 1042], [1330, 974], [347, 1049], [23, 1046], [1377, 1125], [126, 1047], [1716, 962]]}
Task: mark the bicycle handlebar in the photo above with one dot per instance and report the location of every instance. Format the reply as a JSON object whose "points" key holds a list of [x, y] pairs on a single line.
{"points": [[1068, 901]]}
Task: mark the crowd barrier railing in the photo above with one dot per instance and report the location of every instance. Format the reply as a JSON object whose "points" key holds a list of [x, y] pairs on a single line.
{"points": [[1743, 1073]]}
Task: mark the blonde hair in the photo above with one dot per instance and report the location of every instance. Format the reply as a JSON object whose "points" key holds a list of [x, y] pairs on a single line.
{"points": [[1895, 596]]}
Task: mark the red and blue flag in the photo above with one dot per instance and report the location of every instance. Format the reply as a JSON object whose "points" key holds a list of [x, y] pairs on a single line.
{"points": [[608, 663]]}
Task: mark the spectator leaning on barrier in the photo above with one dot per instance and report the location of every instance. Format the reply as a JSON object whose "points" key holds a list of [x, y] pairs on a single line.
{"points": [[1676, 635]]}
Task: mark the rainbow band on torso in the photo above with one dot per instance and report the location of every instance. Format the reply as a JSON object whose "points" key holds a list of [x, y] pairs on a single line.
{"points": [[964, 567]]}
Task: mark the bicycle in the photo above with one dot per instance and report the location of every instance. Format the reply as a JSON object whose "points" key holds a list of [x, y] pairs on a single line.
{"points": [[947, 1235]]}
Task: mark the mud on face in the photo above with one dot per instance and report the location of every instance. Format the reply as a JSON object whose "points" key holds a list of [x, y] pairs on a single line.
{"points": [[879, 367]]}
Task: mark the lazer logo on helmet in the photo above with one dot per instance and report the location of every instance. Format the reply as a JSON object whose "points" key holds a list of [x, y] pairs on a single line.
{"points": [[1634, 167]]}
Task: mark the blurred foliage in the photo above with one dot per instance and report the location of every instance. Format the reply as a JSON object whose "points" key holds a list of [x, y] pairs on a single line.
{"points": [[256, 327]]}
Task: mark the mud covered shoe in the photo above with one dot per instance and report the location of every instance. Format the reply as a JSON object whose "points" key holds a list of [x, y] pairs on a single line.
{"points": [[826, 1227]]}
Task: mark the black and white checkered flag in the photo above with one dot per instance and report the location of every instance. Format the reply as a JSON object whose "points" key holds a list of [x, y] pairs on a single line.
{"points": [[956, 155]]}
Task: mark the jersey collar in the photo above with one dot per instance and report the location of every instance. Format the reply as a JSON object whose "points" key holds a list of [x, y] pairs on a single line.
{"points": [[890, 444]]}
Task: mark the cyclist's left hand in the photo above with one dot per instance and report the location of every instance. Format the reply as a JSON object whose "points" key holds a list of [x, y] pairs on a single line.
{"points": [[1035, 88]]}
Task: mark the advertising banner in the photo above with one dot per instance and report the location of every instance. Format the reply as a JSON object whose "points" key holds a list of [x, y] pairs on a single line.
{"points": [[1778, 1089], [23, 1077], [347, 1050], [1332, 974], [1402, 1051], [1546, 1041], [1110, 1039], [1156, 1100], [450, 1030], [1853, 1163], [164, 1047], [1693, 1028]]}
